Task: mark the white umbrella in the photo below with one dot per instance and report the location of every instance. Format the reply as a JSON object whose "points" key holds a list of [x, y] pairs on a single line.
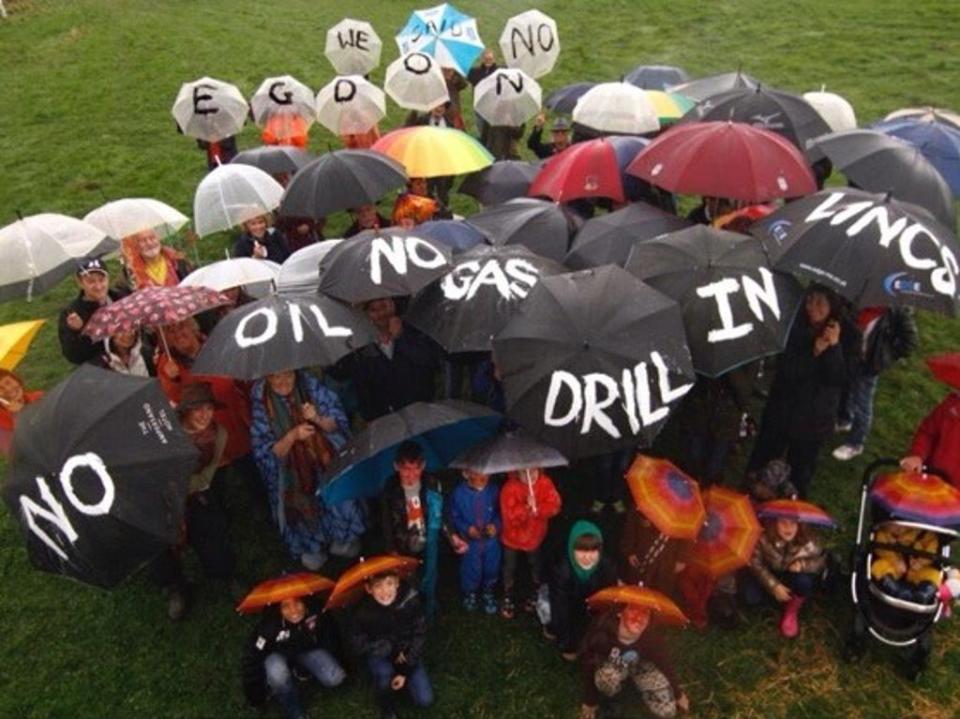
{"points": [[834, 109], [616, 107], [507, 97], [37, 252], [927, 114], [415, 82], [349, 105], [282, 95], [353, 47], [301, 271], [232, 194], [121, 218], [210, 109], [236, 272], [530, 42]]}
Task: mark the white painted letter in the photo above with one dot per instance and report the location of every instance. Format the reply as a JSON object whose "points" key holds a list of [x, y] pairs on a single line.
{"points": [[240, 334], [557, 380]]}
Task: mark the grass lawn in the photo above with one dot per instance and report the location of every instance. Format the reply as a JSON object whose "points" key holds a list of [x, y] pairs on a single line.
{"points": [[87, 90]]}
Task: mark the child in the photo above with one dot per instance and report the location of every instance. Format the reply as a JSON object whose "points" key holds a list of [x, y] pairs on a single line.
{"points": [[261, 242], [528, 501], [475, 518], [13, 398], [583, 571], [291, 635], [937, 440], [902, 574], [388, 630], [786, 563]]}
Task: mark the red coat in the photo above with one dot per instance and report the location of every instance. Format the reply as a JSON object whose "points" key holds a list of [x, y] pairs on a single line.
{"points": [[522, 529], [937, 439]]}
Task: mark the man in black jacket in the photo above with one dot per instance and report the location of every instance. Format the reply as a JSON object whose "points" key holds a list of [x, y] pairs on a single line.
{"points": [[95, 292], [559, 135]]}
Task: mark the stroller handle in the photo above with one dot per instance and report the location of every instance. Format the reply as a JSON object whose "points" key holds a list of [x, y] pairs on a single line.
{"points": [[870, 473]]}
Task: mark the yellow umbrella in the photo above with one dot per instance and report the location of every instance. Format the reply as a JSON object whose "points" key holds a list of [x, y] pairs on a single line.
{"points": [[434, 151], [15, 339]]}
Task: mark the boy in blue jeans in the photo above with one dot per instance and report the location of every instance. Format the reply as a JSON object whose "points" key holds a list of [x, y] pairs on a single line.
{"points": [[475, 518]]}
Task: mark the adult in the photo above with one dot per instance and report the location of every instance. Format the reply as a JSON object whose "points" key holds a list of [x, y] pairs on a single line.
{"points": [[415, 205], [13, 398], [559, 137], [936, 442], [127, 353], [486, 67], [261, 241], [147, 262], [455, 85], [301, 231], [93, 279], [219, 152], [366, 217]]}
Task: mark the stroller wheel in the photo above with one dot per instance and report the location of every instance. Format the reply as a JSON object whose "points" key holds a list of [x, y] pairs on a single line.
{"points": [[920, 658]]}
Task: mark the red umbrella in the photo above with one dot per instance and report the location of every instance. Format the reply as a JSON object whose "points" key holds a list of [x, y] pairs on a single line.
{"points": [[289, 586], [918, 498], [662, 607], [586, 169], [730, 533], [946, 368], [797, 510], [350, 586], [151, 306], [725, 159], [667, 497]]}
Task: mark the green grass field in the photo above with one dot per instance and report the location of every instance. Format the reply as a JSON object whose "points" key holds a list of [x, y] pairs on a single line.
{"points": [[87, 90]]}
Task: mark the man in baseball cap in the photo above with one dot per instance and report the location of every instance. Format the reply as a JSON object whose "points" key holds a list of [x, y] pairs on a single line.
{"points": [[93, 280], [559, 137]]}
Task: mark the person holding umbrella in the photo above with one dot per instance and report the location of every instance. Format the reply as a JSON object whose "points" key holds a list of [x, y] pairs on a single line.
{"points": [[936, 441], [486, 67], [415, 205], [559, 137], [93, 278], [366, 217], [127, 353], [261, 241]]}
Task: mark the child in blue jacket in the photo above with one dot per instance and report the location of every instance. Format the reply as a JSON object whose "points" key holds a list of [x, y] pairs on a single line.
{"points": [[475, 518]]}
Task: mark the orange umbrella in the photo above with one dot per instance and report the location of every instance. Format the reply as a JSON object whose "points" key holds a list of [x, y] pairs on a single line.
{"points": [[667, 497], [662, 607], [918, 498], [350, 585], [729, 534], [289, 586]]}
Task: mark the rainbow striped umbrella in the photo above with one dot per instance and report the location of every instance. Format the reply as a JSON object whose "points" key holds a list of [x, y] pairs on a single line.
{"points": [[918, 498], [797, 510], [350, 585], [662, 607], [289, 586], [427, 151], [729, 534], [669, 106], [667, 497]]}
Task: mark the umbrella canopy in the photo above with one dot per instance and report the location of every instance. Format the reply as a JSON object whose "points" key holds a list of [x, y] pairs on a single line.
{"points": [[282, 332], [541, 226], [835, 110], [530, 42], [121, 218], [275, 159], [230, 195], [877, 162], [607, 239], [662, 608], [289, 586], [704, 87], [415, 82], [38, 251], [669, 106], [585, 169], [235, 272], [724, 159], [353, 47], [434, 151], [503, 180], [667, 497], [593, 361], [455, 234], [735, 309], [283, 95], [210, 109], [797, 510], [627, 147], [507, 97], [444, 33], [616, 107], [99, 476], [151, 307], [507, 452], [350, 105], [300, 272], [938, 141], [466, 307], [350, 587], [946, 368], [873, 250], [927, 114], [729, 534], [443, 429], [918, 498], [392, 264], [565, 98], [341, 180], [15, 339], [656, 77]]}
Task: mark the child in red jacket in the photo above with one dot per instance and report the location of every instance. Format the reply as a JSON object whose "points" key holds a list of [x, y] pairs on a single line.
{"points": [[937, 441], [528, 500]]}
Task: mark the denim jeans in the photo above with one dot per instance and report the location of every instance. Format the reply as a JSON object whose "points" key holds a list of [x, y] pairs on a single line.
{"points": [[859, 407], [418, 683], [318, 662], [801, 584]]}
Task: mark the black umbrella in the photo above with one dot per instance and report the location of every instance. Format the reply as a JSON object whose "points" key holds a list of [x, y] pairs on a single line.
{"points": [[502, 181], [455, 234], [508, 452], [565, 98], [607, 239], [275, 159], [877, 162], [788, 115], [341, 180], [466, 307], [282, 332], [705, 87], [99, 476], [539, 225], [392, 263], [593, 361], [870, 248], [735, 309], [656, 77]]}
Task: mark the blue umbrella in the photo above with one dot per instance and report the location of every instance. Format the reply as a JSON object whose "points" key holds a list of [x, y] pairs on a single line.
{"points": [[443, 429], [455, 234], [564, 99], [656, 77], [444, 33], [937, 141]]}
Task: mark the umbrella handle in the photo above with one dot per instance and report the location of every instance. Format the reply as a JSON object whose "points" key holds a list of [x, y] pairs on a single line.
{"points": [[163, 339]]}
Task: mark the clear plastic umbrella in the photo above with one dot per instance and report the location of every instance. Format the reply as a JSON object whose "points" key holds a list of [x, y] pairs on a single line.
{"points": [[236, 272], [353, 47], [415, 82], [121, 218], [835, 110], [350, 105], [530, 42], [507, 97], [232, 194], [616, 107], [282, 95], [210, 109], [300, 274]]}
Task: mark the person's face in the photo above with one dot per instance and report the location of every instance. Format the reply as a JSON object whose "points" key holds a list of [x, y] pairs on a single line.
{"points": [[384, 590], [293, 610], [379, 312], [634, 621], [418, 186], [183, 337], [257, 227], [11, 389], [198, 418], [787, 529], [148, 244], [409, 472], [818, 307], [586, 558], [124, 340], [367, 216], [477, 480], [303, 229], [561, 139], [487, 58], [95, 285], [282, 382], [438, 111]]}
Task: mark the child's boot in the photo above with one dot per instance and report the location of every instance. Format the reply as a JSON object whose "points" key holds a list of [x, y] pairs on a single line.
{"points": [[470, 601], [507, 610], [790, 622], [489, 603]]}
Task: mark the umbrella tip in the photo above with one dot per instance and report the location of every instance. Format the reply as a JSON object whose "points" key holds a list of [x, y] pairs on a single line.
{"points": [[19, 213], [586, 345]]}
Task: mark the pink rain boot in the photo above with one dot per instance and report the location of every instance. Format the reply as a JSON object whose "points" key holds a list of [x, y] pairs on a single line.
{"points": [[789, 623]]}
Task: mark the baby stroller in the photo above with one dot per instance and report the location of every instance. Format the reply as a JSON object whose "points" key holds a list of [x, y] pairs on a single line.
{"points": [[898, 619]]}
